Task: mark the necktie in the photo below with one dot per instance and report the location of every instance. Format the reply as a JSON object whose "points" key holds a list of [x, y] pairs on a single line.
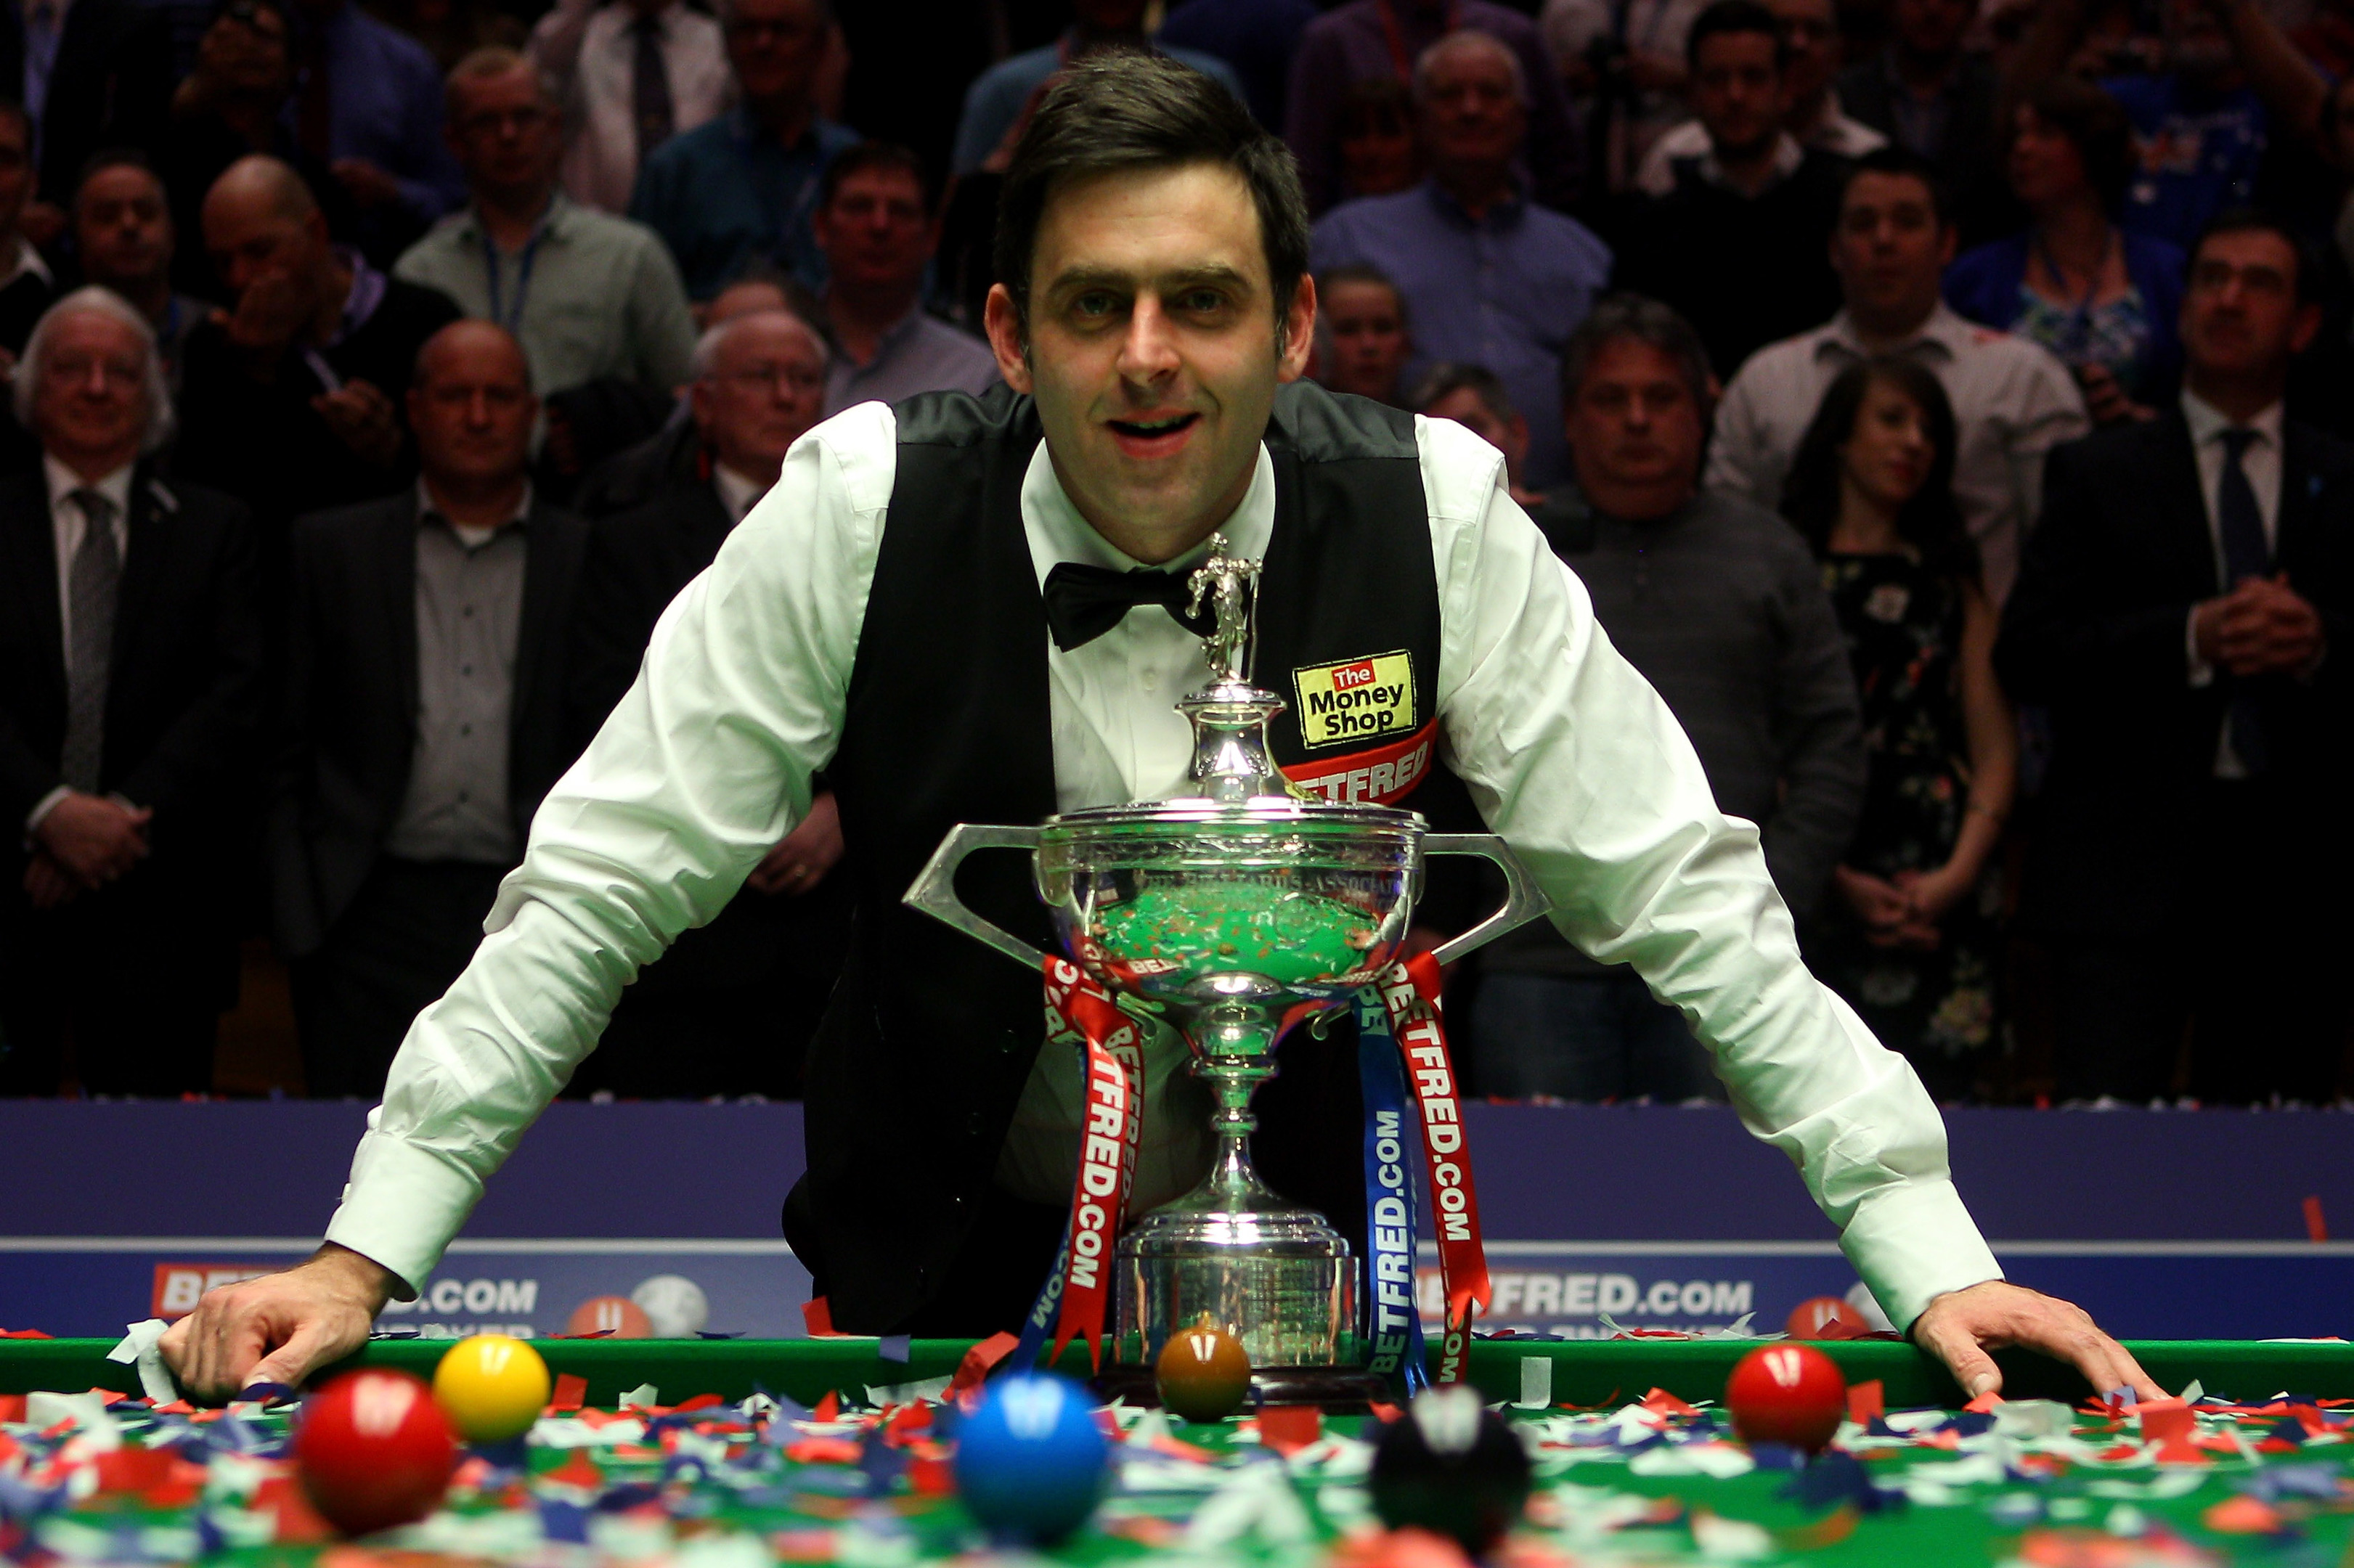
{"points": [[90, 595], [2245, 555], [1085, 602], [650, 87]]}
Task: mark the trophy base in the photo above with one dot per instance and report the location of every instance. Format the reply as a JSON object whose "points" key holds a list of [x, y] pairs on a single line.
{"points": [[1337, 1390]]}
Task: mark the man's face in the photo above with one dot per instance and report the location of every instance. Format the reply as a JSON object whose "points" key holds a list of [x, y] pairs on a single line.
{"points": [[1152, 347], [776, 47], [767, 386], [1369, 339], [1810, 47], [1932, 29], [122, 227], [1634, 426], [1736, 91], [245, 51], [505, 133], [472, 408], [90, 404], [249, 237], [1889, 249], [2241, 317], [1471, 115], [874, 232]]}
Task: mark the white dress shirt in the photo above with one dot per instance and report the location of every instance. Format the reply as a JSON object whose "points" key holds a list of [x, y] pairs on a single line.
{"points": [[1834, 133], [2013, 402], [587, 49], [67, 526], [1567, 751], [2261, 463]]}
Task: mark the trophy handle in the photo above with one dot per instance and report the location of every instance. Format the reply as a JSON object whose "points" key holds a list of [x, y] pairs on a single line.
{"points": [[934, 889], [1523, 899]]}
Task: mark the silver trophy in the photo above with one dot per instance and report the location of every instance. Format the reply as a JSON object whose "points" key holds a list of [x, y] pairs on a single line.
{"points": [[1221, 913]]}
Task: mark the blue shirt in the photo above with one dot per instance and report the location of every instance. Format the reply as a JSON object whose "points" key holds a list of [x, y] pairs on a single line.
{"points": [[998, 95], [1254, 36], [2199, 153], [727, 194], [1504, 293], [386, 107], [1987, 284]]}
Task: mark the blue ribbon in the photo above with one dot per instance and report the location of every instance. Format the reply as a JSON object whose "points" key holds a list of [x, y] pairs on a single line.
{"points": [[1393, 1322], [1043, 1311]]}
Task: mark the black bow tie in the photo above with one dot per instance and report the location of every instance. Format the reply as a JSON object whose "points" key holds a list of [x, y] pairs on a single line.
{"points": [[1085, 602]]}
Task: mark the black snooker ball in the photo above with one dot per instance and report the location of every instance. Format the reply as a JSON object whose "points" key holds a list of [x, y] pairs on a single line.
{"points": [[1452, 1466]]}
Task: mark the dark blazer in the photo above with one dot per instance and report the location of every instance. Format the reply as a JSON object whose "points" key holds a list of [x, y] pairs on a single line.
{"points": [[183, 701], [110, 86], [636, 563], [349, 720], [2096, 629]]}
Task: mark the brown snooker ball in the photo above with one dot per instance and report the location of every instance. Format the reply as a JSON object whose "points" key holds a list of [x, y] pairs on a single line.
{"points": [[1202, 1373]]}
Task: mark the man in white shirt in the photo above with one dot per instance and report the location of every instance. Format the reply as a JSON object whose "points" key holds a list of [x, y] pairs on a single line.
{"points": [[951, 606], [2176, 614], [631, 74], [1810, 57], [2012, 401]]}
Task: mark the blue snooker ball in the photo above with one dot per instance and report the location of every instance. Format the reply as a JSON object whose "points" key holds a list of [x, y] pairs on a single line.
{"points": [[1030, 1458]]}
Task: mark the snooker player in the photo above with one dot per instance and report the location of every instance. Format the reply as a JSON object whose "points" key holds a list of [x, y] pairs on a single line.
{"points": [[944, 605]]}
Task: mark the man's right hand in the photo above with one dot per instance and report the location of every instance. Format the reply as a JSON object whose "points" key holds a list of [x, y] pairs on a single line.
{"points": [[278, 1328], [2262, 627], [268, 314], [94, 839]]}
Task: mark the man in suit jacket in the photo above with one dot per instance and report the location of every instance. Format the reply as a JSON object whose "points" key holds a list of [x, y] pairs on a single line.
{"points": [[2175, 609], [728, 1009], [424, 711], [130, 702]]}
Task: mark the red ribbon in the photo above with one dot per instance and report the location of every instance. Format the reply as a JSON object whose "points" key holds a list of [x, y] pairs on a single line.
{"points": [[1114, 1117], [1410, 990]]}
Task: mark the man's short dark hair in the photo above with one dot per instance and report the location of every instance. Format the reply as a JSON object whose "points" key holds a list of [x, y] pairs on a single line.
{"points": [[1904, 164], [887, 157], [1449, 376], [1123, 110], [1728, 16], [2258, 220], [107, 158], [1364, 272], [1645, 320]]}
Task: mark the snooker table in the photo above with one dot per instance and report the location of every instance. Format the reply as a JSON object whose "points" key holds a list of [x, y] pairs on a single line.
{"points": [[1626, 1471]]}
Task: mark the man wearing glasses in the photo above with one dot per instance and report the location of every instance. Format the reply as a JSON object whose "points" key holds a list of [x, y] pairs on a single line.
{"points": [[589, 295]]}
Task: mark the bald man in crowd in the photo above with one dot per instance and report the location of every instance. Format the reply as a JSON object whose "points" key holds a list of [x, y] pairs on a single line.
{"points": [[425, 680], [728, 1009], [292, 397]]}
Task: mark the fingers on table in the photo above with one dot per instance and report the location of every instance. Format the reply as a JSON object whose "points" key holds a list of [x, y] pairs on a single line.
{"points": [[1955, 1343]]}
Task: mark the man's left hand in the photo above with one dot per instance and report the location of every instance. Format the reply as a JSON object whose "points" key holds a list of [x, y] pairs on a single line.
{"points": [[1961, 1327], [362, 419], [800, 862]]}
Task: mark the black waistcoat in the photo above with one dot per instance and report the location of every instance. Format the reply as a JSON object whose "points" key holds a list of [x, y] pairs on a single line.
{"points": [[929, 1037]]}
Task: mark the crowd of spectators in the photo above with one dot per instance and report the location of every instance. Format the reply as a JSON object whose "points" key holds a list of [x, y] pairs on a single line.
{"points": [[1946, 405]]}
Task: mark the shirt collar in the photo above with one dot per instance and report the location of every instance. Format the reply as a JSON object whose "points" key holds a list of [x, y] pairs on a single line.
{"points": [[64, 481], [1071, 537], [368, 288], [429, 511], [551, 220], [28, 258], [1788, 156], [736, 493], [1502, 215], [2208, 422], [747, 130], [1944, 330]]}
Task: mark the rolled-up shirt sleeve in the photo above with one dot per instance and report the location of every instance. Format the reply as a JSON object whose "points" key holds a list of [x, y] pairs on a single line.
{"points": [[703, 766], [1574, 759]]}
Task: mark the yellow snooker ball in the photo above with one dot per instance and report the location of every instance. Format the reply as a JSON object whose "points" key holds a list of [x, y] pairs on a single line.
{"points": [[491, 1387]]}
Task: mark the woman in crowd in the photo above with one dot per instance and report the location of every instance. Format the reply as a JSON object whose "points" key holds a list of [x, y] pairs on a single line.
{"points": [[1911, 939], [2104, 300]]}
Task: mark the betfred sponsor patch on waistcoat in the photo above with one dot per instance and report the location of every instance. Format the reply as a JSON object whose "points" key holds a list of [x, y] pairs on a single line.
{"points": [[1355, 700], [1377, 776]]}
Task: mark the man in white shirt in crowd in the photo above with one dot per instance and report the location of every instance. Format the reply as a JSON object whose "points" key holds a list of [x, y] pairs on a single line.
{"points": [[874, 222], [631, 74], [1811, 59], [951, 606], [2013, 402]]}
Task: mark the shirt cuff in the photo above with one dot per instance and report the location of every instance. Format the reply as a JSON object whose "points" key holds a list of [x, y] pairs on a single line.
{"points": [[40, 811], [1913, 1241], [400, 1208], [2203, 674]]}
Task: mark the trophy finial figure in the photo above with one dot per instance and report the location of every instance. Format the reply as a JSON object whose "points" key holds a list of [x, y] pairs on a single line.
{"points": [[1229, 585]]}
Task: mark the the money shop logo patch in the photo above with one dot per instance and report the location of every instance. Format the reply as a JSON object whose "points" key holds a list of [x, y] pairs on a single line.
{"points": [[1355, 700]]}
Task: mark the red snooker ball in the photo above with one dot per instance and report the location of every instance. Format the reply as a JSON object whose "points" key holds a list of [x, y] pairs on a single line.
{"points": [[374, 1451], [1787, 1394], [1825, 1317]]}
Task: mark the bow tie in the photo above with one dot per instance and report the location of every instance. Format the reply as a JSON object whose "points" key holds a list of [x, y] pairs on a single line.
{"points": [[1084, 602]]}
